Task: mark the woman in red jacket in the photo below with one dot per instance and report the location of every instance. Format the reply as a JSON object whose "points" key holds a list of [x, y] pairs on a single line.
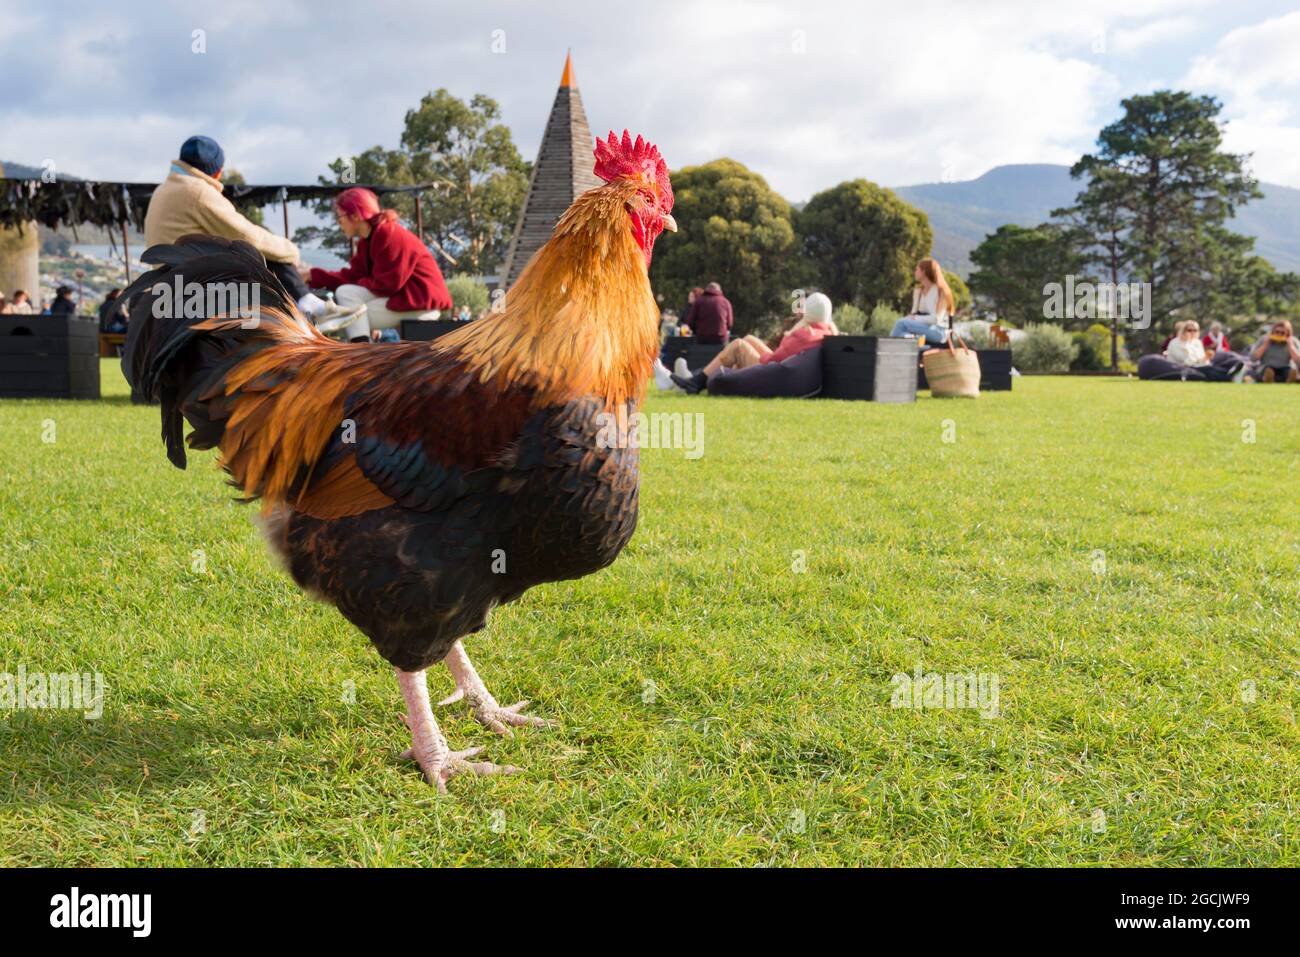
{"points": [[392, 273]]}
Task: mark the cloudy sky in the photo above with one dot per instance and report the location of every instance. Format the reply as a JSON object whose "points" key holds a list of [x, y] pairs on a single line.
{"points": [[806, 93]]}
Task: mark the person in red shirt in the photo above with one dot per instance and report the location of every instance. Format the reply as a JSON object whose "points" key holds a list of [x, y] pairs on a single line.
{"points": [[392, 273], [1215, 340], [814, 325]]}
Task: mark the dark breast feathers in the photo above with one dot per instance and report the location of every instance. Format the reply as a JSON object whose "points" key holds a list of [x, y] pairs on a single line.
{"points": [[420, 573]]}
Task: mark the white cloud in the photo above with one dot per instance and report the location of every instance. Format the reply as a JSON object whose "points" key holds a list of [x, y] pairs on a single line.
{"points": [[1130, 40], [894, 93], [1253, 69]]}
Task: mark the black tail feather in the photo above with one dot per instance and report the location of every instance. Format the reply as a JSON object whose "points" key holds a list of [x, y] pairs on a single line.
{"points": [[164, 357]]}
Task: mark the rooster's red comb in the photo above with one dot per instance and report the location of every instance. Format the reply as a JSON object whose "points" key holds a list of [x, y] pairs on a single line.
{"points": [[616, 158]]}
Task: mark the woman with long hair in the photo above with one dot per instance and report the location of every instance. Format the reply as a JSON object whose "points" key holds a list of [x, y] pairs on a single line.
{"points": [[932, 305], [684, 319], [392, 273]]}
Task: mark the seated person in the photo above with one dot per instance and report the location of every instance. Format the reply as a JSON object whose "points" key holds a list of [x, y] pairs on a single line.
{"points": [[20, 306], [192, 200], [751, 351], [63, 304], [1185, 348], [710, 316], [1277, 354], [932, 304], [392, 273], [683, 317], [1184, 358], [1216, 340], [112, 312]]}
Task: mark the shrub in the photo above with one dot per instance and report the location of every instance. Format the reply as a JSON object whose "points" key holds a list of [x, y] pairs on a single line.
{"points": [[851, 320], [882, 320], [976, 335], [468, 290], [1088, 355], [1098, 334], [1045, 348]]}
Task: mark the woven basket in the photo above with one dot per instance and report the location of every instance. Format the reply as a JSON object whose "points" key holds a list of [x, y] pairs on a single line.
{"points": [[952, 374]]}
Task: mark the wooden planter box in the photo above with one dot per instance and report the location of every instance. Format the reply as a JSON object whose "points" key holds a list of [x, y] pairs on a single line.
{"points": [[995, 370], [424, 330], [697, 354], [49, 357], [875, 368]]}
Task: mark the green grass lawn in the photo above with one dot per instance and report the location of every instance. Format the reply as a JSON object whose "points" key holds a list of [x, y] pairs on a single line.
{"points": [[1115, 553]]}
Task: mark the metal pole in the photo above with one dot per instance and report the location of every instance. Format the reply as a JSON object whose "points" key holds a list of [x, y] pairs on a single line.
{"points": [[126, 253], [419, 217], [285, 206]]}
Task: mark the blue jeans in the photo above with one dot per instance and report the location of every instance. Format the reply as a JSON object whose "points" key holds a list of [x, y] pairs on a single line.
{"points": [[933, 333]]}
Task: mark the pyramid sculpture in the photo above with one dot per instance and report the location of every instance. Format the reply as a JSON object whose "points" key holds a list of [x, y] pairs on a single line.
{"points": [[564, 170]]}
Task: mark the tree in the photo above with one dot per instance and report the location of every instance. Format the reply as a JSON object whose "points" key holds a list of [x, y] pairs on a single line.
{"points": [[1170, 190], [1249, 285], [470, 158], [733, 229], [961, 297], [1015, 264], [1096, 228], [863, 243], [233, 177], [463, 147]]}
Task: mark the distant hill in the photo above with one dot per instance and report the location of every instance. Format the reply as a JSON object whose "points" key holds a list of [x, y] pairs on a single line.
{"points": [[21, 171], [962, 214]]}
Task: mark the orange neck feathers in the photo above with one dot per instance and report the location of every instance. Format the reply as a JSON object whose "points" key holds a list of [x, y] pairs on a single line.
{"points": [[580, 320]]}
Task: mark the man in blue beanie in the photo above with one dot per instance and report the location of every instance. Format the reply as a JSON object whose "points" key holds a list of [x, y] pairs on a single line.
{"points": [[191, 200], [204, 154]]}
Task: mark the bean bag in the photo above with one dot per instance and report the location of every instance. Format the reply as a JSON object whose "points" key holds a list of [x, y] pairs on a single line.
{"points": [[796, 377], [1221, 368], [1158, 367]]}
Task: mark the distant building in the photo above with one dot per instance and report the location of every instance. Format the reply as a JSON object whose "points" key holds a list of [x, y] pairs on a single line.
{"points": [[565, 169]]}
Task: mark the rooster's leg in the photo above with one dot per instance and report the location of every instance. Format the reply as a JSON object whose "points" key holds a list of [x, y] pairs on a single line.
{"points": [[428, 746], [486, 710]]}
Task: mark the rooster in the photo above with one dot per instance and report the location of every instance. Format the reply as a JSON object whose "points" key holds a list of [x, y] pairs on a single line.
{"points": [[417, 485]]}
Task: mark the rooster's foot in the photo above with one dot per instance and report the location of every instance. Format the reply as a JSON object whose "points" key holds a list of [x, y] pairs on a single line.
{"points": [[428, 747], [487, 712], [496, 718], [453, 763]]}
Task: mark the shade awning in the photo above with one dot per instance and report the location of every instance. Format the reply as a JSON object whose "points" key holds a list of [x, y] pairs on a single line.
{"points": [[68, 202]]}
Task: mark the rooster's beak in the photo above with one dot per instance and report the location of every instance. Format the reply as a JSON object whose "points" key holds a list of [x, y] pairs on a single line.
{"points": [[670, 224]]}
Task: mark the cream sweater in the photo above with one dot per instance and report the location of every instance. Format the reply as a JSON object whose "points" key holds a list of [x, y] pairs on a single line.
{"points": [[189, 201], [1186, 352]]}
